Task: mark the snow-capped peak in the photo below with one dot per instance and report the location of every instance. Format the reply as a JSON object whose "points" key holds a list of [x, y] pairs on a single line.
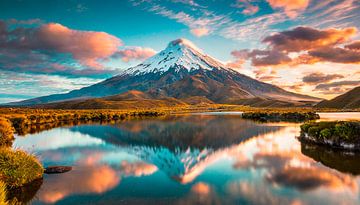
{"points": [[184, 43], [179, 54]]}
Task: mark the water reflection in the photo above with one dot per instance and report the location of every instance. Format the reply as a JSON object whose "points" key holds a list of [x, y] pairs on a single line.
{"points": [[343, 161], [193, 159]]}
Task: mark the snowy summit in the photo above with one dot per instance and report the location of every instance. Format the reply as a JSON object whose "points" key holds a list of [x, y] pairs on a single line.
{"points": [[179, 54]]}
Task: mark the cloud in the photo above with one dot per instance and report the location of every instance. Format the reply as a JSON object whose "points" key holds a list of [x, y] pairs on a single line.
{"points": [[306, 38], [354, 45], [317, 77], [93, 179], [58, 50], [85, 46], [309, 45], [337, 87], [199, 26], [262, 57], [309, 178], [336, 55], [200, 31], [292, 8], [137, 168], [201, 188], [134, 53], [248, 8], [25, 22]]}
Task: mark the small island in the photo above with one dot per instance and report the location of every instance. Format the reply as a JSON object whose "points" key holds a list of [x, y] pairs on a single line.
{"points": [[336, 134], [264, 116]]}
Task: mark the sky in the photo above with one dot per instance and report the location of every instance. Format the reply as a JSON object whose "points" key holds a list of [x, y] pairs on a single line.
{"points": [[304, 46]]}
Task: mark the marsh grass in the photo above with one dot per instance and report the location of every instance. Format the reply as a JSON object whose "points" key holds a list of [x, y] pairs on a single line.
{"points": [[6, 132], [3, 193], [18, 168]]}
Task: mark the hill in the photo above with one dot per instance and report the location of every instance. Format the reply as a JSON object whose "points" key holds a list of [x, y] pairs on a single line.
{"points": [[348, 100]]}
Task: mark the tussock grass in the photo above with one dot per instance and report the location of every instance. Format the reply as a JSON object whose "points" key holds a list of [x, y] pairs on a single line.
{"points": [[6, 132], [18, 168], [3, 193]]}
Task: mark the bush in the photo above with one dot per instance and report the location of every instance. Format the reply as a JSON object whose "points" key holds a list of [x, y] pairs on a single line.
{"points": [[338, 131], [325, 133], [18, 168], [6, 132]]}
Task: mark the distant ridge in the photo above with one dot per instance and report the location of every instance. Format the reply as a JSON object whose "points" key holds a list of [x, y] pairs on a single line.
{"points": [[181, 71], [348, 100]]}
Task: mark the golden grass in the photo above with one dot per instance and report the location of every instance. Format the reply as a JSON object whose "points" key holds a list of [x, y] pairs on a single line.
{"points": [[18, 168], [3, 193], [6, 132]]}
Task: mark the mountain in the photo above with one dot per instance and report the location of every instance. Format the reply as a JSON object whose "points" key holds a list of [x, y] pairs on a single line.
{"points": [[184, 72], [348, 100], [132, 99]]}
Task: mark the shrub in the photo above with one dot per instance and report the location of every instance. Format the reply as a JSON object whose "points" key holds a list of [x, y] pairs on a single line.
{"points": [[18, 168], [313, 131], [6, 132], [325, 133], [338, 131]]}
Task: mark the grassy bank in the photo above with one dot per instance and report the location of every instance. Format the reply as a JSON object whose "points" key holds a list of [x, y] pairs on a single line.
{"points": [[338, 134], [276, 116], [17, 168], [23, 119]]}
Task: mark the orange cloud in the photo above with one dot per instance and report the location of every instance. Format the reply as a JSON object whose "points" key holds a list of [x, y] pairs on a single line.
{"points": [[85, 46], [200, 31], [201, 188], [306, 38], [292, 8], [309, 46], [98, 179], [137, 168]]}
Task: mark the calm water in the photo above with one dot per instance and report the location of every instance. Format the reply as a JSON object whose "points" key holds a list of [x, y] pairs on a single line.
{"points": [[192, 159]]}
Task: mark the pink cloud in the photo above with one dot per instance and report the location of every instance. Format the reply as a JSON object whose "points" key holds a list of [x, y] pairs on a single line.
{"points": [[200, 31], [85, 46], [292, 8], [134, 53], [248, 8]]}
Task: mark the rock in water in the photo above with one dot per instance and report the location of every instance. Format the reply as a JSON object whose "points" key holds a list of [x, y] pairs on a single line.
{"points": [[57, 169]]}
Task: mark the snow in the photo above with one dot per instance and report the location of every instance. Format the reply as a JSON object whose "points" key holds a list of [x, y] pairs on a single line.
{"points": [[179, 54]]}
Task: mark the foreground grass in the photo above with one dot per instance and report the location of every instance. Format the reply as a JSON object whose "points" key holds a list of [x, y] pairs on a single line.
{"points": [[18, 168], [3, 193], [341, 134]]}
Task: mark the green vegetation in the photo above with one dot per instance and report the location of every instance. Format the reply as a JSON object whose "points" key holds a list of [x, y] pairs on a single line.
{"points": [[18, 168], [342, 134], [274, 116]]}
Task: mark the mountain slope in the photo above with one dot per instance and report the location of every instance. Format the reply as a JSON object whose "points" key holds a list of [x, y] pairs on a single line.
{"points": [[182, 71], [348, 100], [129, 100]]}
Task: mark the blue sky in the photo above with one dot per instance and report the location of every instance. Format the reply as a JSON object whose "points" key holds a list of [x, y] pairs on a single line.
{"points": [[49, 47]]}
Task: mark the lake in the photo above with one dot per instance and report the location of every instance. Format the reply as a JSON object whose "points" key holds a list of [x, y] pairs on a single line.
{"points": [[192, 159]]}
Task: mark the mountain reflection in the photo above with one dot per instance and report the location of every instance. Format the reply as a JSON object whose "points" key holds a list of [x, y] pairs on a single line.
{"points": [[179, 132], [198, 159]]}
